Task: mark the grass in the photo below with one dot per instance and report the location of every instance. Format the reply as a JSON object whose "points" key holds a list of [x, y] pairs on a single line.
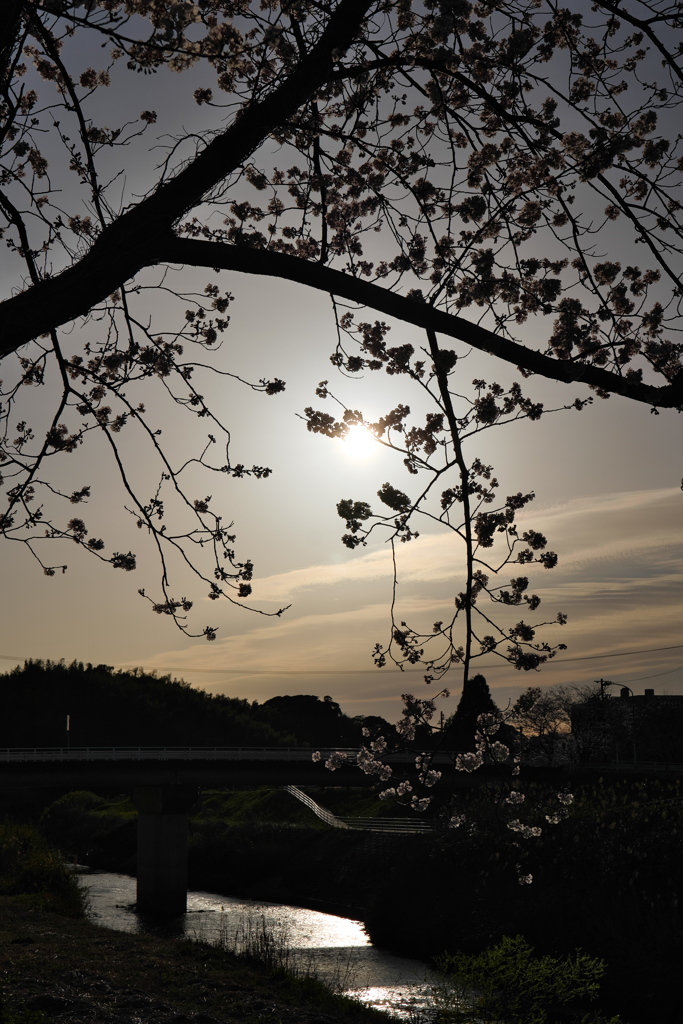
{"points": [[259, 941], [260, 806], [256, 940], [41, 952], [49, 952]]}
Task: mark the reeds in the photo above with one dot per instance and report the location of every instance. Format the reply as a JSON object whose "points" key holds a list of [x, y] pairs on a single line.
{"points": [[257, 939]]}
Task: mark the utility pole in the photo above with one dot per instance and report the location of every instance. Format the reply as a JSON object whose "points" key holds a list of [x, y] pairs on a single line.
{"points": [[602, 683]]}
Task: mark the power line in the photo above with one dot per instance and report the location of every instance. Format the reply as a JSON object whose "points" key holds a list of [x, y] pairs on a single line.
{"points": [[594, 657], [360, 672], [655, 675], [624, 654]]}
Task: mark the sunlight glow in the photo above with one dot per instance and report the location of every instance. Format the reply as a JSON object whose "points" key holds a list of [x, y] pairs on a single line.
{"points": [[359, 443]]}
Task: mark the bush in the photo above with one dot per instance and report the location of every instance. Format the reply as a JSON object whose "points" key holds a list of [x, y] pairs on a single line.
{"points": [[95, 830], [28, 866], [510, 984]]}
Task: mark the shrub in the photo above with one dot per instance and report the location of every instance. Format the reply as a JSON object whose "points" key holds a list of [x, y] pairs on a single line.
{"points": [[28, 866], [510, 984]]}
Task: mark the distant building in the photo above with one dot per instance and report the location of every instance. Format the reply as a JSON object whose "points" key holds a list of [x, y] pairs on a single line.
{"points": [[631, 727]]}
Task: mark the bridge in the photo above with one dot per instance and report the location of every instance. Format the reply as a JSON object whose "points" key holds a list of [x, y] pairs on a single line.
{"points": [[183, 766], [165, 784]]}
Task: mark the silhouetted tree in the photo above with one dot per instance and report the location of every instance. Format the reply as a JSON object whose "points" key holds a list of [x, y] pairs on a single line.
{"points": [[544, 718], [460, 729], [474, 170], [375, 727], [311, 720]]}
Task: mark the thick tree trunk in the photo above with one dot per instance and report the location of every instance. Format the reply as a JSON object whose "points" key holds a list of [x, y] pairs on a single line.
{"points": [[144, 236], [11, 19]]}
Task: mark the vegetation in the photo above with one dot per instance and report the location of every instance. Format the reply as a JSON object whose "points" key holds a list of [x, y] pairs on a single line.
{"points": [[607, 880], [110, 707], [617, 848], [510, 984], [36, 872], [460, 729], [70, 965], [315, 722], [541, 717], [117, 708], [93, 829]]}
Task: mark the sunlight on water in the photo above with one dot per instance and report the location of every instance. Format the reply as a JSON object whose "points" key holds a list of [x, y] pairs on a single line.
{"points": [[305, 929], [409, 1002], [335, 949]]}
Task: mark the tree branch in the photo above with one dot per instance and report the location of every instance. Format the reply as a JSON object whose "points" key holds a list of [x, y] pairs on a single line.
{"points": [[10, 25], [144, 236], [314, 275], [137, 238]]}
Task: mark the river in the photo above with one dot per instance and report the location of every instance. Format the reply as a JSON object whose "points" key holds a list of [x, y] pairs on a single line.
{"points": [[334, 949]]}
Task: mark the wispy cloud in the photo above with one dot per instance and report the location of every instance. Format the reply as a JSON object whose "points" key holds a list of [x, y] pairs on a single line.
{"points": [[626, 525], [584, 532], [620, 581]]}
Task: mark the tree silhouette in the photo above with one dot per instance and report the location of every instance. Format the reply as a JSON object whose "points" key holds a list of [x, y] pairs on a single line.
{"points": [[311, 720], [472, 169], [476, 700]]}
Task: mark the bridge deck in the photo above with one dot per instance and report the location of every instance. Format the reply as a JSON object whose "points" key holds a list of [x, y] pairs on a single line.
{"points": [[124, 767]]}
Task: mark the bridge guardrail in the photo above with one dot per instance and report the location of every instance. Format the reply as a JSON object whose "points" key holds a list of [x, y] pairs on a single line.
{"points": [[163, 753], [75, 754], [196, 754]]}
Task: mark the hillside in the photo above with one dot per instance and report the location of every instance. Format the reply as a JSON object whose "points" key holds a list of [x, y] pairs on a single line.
{"points": [[113, 708], [107, 708]]}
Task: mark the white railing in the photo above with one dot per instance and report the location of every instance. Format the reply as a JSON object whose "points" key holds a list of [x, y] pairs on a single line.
{"points": [[197, 754], [321, 812], [164, 754], [401, 825], [635, 766], [443, 757], [405, 825]]}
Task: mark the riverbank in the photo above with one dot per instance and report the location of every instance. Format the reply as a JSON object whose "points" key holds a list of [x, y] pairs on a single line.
{"points": [[608, 880], [74, 972]]}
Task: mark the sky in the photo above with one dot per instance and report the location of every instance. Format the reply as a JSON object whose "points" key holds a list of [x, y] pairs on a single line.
{"points": [[608, 497]]}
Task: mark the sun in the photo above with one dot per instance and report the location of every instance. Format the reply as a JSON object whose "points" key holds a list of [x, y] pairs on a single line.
{"points": [[359, 443]]}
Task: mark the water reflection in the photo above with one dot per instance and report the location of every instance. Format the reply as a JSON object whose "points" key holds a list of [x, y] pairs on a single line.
{"points": [[335, 949]]}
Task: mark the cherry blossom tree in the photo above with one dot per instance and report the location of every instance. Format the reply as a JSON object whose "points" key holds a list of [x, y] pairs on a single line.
{"points": [[474, 170]]}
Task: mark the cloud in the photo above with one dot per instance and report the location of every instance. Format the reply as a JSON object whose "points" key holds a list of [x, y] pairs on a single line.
{"points": [[619, 580], [587, 531], [631, 525], [307, 645], [431, 558]]}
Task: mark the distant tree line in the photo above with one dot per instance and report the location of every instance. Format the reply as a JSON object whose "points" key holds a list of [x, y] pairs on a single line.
{"points": [[107, 707]]}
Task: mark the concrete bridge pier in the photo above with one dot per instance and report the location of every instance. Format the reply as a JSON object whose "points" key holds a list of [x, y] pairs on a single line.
{"points": [[162, 847]]}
